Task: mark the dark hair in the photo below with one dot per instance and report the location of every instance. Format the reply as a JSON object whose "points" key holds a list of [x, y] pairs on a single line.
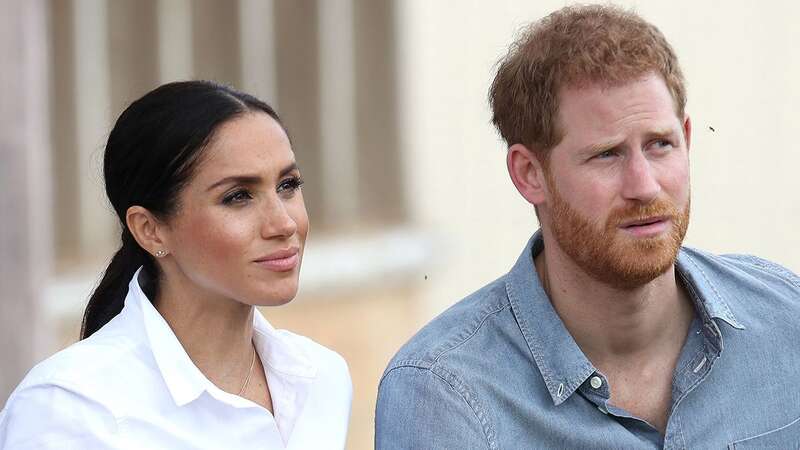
{"points": [[151, 154]]}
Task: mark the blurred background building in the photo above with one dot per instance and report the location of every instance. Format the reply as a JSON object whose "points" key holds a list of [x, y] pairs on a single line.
{"points": [[410, 203]]}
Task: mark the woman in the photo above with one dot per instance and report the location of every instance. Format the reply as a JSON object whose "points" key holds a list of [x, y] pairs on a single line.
{"points": [[174, 353]]}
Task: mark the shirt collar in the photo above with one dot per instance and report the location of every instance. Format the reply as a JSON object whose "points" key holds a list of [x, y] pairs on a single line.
{"points": [[698, 270], [184, 380], [285, 358], [290, 372], [279, 351], [561, 362], [563, 365]]}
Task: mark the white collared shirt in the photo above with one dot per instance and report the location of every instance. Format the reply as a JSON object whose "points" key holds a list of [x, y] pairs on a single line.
{"points": [[132, 385]]}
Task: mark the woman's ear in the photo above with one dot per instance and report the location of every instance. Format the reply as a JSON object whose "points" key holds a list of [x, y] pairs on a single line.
{"points": [[147, 230], [527, 173]]}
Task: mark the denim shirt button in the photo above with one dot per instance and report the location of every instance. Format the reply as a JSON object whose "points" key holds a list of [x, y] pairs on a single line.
{"points": [[596, 382]]}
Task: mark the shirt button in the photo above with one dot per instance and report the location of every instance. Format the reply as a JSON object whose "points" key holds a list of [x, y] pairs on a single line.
{"points": [[596, 382]]}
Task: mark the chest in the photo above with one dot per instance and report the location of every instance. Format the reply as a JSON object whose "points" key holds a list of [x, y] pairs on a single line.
{"points": [[202, 424], [746, 395], [646, 392]]}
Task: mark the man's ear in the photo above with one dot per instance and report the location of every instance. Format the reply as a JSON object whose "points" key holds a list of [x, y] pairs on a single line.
{"points": [[147, 230], [527, 173], [687, 131]]}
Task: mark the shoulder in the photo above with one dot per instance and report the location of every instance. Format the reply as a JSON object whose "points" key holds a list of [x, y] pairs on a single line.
{"points": [[455, 327], [775, 274], [733, 273], [759, 293], [55, 407], [424, 408], [94, 369], [431, 394]]}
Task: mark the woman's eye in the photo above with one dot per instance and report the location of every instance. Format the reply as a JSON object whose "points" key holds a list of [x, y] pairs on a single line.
{"points": [[290, 185], [235, 197]]}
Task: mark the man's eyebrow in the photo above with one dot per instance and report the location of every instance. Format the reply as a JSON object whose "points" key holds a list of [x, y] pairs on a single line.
{"points": [[249, 179], [661, 133], [600, 147]]}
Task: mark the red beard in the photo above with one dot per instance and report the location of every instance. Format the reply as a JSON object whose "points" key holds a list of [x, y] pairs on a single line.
{"points": [[606, 253]]}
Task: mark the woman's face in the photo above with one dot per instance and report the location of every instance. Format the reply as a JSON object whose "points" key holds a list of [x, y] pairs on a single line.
{"points": [[241, 224]]}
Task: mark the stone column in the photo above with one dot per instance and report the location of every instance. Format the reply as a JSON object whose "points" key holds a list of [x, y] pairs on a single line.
{"points": [[25, 188], [337, 77], [257, 49]]}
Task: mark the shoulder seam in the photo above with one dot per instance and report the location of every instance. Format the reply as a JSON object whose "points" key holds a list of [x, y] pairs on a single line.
{"points": [[470, 399], [472, 333], [773, 268], [431, 358]]}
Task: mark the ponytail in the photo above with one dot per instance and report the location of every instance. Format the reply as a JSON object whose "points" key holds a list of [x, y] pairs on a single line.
{"points": [[108, 298]]}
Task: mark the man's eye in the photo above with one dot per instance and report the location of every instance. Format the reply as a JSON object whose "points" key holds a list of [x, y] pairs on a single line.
{"points": [[661, 143], [606, 154], [235, 197]]}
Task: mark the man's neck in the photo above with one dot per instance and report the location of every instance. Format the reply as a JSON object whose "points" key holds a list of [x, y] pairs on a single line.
{"points": [[634, 337], [613, 325]]}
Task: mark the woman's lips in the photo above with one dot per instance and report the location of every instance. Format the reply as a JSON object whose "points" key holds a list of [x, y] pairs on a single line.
{"points": [[282, 261]]}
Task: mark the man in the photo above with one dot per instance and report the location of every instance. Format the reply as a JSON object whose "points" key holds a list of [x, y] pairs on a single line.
{"points": [[606, 333]]}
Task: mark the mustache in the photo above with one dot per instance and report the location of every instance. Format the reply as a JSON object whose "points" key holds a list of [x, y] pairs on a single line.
{"points": [[657, 208]]}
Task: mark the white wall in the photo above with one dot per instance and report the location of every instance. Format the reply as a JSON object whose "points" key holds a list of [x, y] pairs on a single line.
{"points": [[741, 64]]}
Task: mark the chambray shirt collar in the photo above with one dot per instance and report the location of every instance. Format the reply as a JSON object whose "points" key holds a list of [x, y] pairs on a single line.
{"points": [[563, 365], [708, 296]]}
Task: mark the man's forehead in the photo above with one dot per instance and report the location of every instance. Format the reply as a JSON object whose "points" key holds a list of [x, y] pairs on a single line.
{"points": [[599, 110]]}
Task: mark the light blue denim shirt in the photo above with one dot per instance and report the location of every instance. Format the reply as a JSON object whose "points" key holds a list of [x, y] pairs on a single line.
{"points": [[499, 370]]}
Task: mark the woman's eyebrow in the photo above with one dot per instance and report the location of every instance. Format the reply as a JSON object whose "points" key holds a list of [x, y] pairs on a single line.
{"points": [[240, 179], [251, 179], [286, 170]]}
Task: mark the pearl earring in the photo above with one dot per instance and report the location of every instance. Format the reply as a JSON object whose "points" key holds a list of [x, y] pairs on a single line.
{"points": [[161, 253]]}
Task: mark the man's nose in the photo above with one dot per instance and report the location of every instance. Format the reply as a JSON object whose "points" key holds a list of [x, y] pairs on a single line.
{"points": [[639, 179]]}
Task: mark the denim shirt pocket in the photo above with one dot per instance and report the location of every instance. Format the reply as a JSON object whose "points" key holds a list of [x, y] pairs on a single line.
{"points": [[784, 437]]}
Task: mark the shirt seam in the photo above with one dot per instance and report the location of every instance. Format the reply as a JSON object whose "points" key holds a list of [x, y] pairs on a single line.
{"points": [[680, 430], [465, 339], [430, 360], [775, 269], [470, 399], [764, 434]]}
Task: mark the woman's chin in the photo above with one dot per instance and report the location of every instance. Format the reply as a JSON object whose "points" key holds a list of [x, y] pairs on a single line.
{"points": [[274, 297], [274, 301]]}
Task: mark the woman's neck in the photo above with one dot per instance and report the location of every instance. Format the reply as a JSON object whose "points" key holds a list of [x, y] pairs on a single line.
{"points": [[216, 333]]}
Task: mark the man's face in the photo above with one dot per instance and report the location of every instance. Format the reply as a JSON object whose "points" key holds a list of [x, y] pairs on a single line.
{"points": [[617, 200]]}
